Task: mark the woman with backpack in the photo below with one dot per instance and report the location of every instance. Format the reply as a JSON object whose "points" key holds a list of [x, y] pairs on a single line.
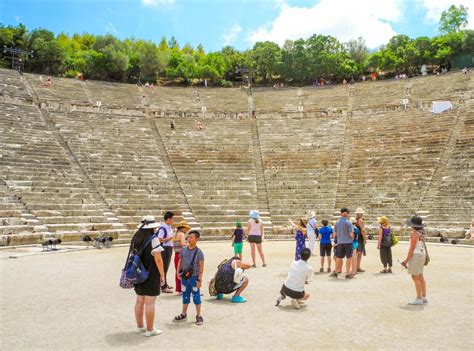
{"points": [[417, 258], [148, 247], [385, 244]]}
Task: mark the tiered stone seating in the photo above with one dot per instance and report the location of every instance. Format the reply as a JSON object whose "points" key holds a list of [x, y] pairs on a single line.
{"points": [[379, 93], [325, 97], [115, 94], [449, 201], [36, 168], [279, 100], [393, 156], [301, 158], [11, 86], [230, 101], [173, 99], [122, 158], [62, 90], [443, 87], [216, 170]]}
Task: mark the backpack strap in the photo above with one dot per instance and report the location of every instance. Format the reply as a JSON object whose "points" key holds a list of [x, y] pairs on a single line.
{"points": [[148, 241]]}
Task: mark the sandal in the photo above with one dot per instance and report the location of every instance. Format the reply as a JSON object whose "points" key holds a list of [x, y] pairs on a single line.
{"points": [[389, 270], [361, 270], [199, 320], [383, 271], [254, 266], [180, 318]]}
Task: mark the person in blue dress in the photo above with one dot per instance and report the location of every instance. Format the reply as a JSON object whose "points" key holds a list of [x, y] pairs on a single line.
{"points": [[300, 237]]}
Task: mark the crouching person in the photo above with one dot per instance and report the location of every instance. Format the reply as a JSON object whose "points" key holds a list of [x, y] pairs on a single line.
{"points": [[230, 278], [300, 273], [191, 270]]}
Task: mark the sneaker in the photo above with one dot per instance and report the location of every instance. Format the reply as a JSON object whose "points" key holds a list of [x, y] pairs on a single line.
{"points": [[140, 330], [416, 302], [199, 320], [295, 304], [168, 291], [425, 300], [333, 274], [219, 296], [321, 270], [153, 332], [238, 299]]}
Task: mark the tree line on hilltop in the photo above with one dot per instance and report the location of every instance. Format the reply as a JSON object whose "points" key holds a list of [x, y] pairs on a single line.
{"points": [[297, 62]]}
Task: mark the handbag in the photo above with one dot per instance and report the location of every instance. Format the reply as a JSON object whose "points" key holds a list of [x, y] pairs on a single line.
{"points": [[188, 273], [134, 272], [427, 256], [394, 238]]}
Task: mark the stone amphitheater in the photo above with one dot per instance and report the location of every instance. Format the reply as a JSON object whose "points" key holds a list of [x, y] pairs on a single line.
{"points": [[71, 168]]}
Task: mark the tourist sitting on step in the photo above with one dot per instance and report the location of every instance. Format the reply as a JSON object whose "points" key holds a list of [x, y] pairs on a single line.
{"points": [[172, 126], [199, 126], [230, 278], [48, 82]]}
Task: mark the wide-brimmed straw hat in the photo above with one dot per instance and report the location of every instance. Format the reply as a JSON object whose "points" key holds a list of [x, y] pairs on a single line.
{"points": [[302, 222], [254, 214], [359, 210], [182, 224], [415, 222], [148, 222], [310, 214]]}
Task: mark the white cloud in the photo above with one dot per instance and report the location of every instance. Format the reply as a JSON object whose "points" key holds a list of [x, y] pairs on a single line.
{"points": [[110, 28], [229, 37], [17, 18], [158, 3], [434, 8], [343, 19]]}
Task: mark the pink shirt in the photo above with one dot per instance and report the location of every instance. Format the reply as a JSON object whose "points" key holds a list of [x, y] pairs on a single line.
{"points": [[255, 228]]}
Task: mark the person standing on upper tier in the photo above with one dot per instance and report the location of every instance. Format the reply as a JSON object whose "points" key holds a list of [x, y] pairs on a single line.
{"points": [[311, 230], [344, 234], [255, 233]]}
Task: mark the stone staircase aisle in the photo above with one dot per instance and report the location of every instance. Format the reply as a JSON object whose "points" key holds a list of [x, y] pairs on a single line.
{"points": [[262, 193]]}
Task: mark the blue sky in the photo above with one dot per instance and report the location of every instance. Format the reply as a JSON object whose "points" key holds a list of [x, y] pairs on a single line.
{"points": [[215, 23]]}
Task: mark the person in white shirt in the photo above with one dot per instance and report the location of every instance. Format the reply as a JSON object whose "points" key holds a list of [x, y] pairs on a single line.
{"points": [[311, 228], [165, 234], [300, 274]]}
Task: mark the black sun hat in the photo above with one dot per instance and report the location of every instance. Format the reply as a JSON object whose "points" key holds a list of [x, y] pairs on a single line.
{"points": [[415, 222]]}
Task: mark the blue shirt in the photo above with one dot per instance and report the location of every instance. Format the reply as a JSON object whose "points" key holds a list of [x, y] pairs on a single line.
{"points": [[325, 233], [356, 234], [344, 229], [238, 235]]}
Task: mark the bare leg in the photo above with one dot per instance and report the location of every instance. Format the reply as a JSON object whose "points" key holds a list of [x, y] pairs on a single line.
{"points": [[252, 252], [198, 310], [322, 262], [418, 286], [304, 298], [359, 259], [185, 309], [338, 265], [348, 265], [139, 310], [354, 263], [242, 288], [260, 252], [329, 262], [423, 286], [150, 312]]}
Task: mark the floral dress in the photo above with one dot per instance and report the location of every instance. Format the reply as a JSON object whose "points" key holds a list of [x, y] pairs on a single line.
{"points": [[300, 244]]}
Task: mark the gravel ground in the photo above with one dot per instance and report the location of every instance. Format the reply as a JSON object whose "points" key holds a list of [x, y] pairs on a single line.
{"points": [[72, 301]]}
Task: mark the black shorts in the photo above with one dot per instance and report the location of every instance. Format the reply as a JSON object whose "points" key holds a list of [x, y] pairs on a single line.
{"points": [[291, 293], [344, 250], [257, 239], [325, 250], [361, 248]]}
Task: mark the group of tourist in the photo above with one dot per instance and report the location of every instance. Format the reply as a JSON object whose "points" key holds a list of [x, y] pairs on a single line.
{"points": [[157, 242]]}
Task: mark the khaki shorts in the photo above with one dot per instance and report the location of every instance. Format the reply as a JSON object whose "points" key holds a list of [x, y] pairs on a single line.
{"points": [[416, 264]]}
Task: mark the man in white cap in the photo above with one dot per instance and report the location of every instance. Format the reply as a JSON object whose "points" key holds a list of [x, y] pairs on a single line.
{"points": [[311, 228]]}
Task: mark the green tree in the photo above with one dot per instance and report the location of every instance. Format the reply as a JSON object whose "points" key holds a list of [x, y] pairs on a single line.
{"points": [[453, 19], [48, 55], [266, 58]]}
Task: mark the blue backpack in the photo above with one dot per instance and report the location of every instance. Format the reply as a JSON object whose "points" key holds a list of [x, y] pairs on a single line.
{"points": [[134, 271]]}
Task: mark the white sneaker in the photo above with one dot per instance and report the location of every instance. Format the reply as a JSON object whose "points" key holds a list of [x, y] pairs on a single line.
{"points": [[154, 332], [140, 330], [416, 302], [295, 304], [425, 300]]}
